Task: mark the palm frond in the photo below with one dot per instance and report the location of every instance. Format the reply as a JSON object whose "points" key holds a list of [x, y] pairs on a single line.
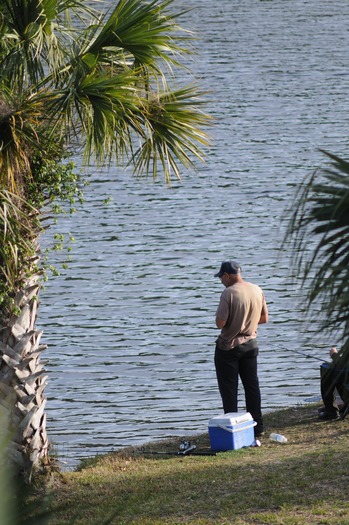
{"points": [[100, 111], [34, 37], [20, 125], [319, 234], [29, 37], [143, 31], [173, 129], [109, 114]]}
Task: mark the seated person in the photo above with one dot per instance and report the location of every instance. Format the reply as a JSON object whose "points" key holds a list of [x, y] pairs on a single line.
{"points": [[334, 376]]}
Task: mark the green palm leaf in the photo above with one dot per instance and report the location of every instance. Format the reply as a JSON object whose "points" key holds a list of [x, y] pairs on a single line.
{"points": [[173, 133], [142, 31], [319, 230], [28, 36]]}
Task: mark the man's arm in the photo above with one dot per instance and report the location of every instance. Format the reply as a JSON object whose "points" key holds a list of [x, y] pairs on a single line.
{"points": [[264, 314], [222, 312], [220, 323]]}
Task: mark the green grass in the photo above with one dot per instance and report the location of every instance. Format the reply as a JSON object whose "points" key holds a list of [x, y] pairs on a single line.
{"points": [[305, 481]]}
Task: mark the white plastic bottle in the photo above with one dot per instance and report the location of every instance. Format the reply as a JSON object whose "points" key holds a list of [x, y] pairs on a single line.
{"points": [[278, 437]]}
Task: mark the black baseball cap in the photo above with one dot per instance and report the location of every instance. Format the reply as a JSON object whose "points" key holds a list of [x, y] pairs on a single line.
{"points": [[229, 267]]}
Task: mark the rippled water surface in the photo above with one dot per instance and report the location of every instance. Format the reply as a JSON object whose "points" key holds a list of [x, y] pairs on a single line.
{"points": [[130, 326]]}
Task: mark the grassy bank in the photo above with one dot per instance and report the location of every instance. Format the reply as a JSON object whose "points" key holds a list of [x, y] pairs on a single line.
{"points": [[305, 481]]}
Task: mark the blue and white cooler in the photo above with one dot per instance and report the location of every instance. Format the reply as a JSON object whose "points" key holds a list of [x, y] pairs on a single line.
{"points": [[231, 431]]}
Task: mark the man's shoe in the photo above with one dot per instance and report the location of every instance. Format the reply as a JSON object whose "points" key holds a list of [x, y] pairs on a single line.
{"points": [[328, 416]]}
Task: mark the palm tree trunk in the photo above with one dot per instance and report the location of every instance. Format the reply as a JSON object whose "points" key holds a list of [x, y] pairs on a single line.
{"points": [[22, 382]]}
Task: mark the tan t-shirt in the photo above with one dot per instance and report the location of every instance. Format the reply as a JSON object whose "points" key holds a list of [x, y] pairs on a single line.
{"points": [[240, 306]]}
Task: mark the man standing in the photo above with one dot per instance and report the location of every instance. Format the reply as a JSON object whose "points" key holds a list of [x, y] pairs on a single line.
{"points": [[241, 309]]}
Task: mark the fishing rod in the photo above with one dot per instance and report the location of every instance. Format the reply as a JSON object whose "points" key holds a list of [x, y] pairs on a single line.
{"points": [[307, 355], [172, 453], [185, 449]]}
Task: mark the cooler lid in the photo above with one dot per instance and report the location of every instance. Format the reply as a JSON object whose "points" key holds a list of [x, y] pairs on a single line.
{"points": [[229, 419]]}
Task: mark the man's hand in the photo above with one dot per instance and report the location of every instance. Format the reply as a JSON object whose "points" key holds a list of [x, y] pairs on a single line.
{"points": [[333, 351]]}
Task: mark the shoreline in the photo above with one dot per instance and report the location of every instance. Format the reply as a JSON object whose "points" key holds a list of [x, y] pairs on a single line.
{"points": [[71, 464], [300, 482]]}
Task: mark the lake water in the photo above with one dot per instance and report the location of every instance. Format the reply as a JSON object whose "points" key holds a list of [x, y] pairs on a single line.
{"points": [[130, 325]]}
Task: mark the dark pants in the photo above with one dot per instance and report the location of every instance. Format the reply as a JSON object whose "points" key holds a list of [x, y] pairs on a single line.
{"points": [[332, 378], [230, 364]]}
